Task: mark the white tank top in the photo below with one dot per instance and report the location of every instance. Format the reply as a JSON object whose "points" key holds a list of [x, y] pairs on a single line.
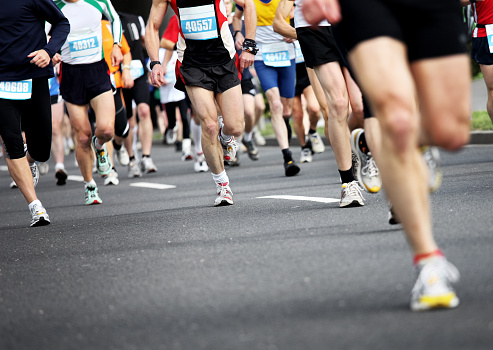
{"points": [[299, 19]]}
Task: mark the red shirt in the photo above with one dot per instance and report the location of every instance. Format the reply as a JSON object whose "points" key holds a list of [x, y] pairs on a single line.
{"points": [[172, 30], [483, 14]]}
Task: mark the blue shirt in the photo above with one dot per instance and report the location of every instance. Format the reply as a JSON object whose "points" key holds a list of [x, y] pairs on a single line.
{"points": [[22, 31]]}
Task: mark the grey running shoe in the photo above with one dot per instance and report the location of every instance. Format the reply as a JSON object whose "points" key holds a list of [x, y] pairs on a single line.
{"points": [[317, 143], [351, 195], [355, 165], [431, 156], [229, 148], [61, 176], [35, 173], [147, 165], [122, 156], [367, 171], [92, 195], [134, 169], [103, 161], [200, 165], [306, 155], [251, 149], [111, 178], [39, 216], [43, 167], [433, 288], [224, 196], [258, 138]]}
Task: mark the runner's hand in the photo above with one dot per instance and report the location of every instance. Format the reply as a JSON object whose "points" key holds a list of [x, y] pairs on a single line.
{"points": [[317, 10], [157, 75], [127, 80], [40, 58], [239, 40], [246, 60], [116, 56], [56, 59]]}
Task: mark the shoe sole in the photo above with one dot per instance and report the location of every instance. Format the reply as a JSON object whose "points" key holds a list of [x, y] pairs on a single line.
{"points": [[447, 301], [353, 204], [223, 203], [61, 178], [95, 202], [41, 222]]}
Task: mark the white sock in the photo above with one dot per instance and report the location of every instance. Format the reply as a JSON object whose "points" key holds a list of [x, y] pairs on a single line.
{"points": [[247, 136], [91, 183], [33, 203], [197, 136], [59, 166], [221, 179]]}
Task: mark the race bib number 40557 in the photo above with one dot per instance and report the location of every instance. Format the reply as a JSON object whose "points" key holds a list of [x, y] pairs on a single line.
{"points": [[16, 90], [198, 23]]}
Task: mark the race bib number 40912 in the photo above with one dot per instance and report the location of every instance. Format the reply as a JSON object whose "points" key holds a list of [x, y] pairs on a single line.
{"points": [[198, 23], [16, 90]]}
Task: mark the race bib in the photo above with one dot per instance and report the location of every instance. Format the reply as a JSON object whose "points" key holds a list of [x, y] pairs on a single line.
{"points": [[113, 80], [136, 69], [299, 54], [16, 90], [276, 54], [199, 22], [489, 35], [81, 45]]}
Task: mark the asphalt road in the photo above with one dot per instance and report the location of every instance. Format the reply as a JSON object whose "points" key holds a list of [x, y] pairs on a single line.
{"points": [[163, 269]]}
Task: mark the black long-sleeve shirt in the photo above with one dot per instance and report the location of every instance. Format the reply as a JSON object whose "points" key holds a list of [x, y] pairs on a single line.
{"points": [[22, 31]]}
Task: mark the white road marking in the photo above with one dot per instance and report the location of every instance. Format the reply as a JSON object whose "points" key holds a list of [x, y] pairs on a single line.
{"points": [[77, 178], [303, 198], [4, 168], [152, 185]]}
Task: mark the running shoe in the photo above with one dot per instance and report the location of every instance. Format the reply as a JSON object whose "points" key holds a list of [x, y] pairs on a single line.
{"points": [[35, 173], [317, 143], [433, 288], [431, 156], [61, 176], [355, 165], [291, 168], [134, 169], [367, 171], [393, 220], [111, 178], [43, 167], [92, 195], [13, 184], [39, 216], [229, 148], [224, 196], [169, 136], [258, 138], [122, 156], [186, 150], [251, 149], [200, 165], [147, 165], [103, 161], [306, 155], [351, 195]]}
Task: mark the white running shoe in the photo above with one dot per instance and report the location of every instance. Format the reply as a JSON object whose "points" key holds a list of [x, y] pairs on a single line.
{"points": [[258, 138], [92, 195], [224, 196], [367, 171], [43, 167], [186, 148], [351, 195], [35, 173], [170, 136], [306, 155], [111, 178], [433, 288], [134, 169], [317, 143], [431, 156], [200, 165], [39, 216], [122, 156], [103, 161], [229, 148], [147, 165]]}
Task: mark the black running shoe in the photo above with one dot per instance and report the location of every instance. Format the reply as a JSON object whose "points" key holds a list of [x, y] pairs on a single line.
{"points": [[290, 168]]}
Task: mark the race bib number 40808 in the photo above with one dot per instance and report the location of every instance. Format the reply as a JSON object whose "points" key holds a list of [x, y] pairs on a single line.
{"points": [[16, 90], [198, 23]]}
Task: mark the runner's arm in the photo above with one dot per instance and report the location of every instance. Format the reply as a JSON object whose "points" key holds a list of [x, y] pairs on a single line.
{"points": [[280, 25], [246, 58], [317, 10], [156, 16]]}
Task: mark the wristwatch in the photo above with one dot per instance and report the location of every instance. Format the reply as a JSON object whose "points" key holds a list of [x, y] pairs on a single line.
{"points": [[153, 63], [119, 44]]}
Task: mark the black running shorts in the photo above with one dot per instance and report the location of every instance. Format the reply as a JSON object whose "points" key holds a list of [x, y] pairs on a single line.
{"points": [[82, 82], [429, 28], [480, 51], [318, 46], [302, 80]]}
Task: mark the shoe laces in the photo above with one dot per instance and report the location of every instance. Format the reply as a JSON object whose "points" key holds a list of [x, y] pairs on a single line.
{"points": [[370, 168], [223, 190], [436, 267], [352, 189]]}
